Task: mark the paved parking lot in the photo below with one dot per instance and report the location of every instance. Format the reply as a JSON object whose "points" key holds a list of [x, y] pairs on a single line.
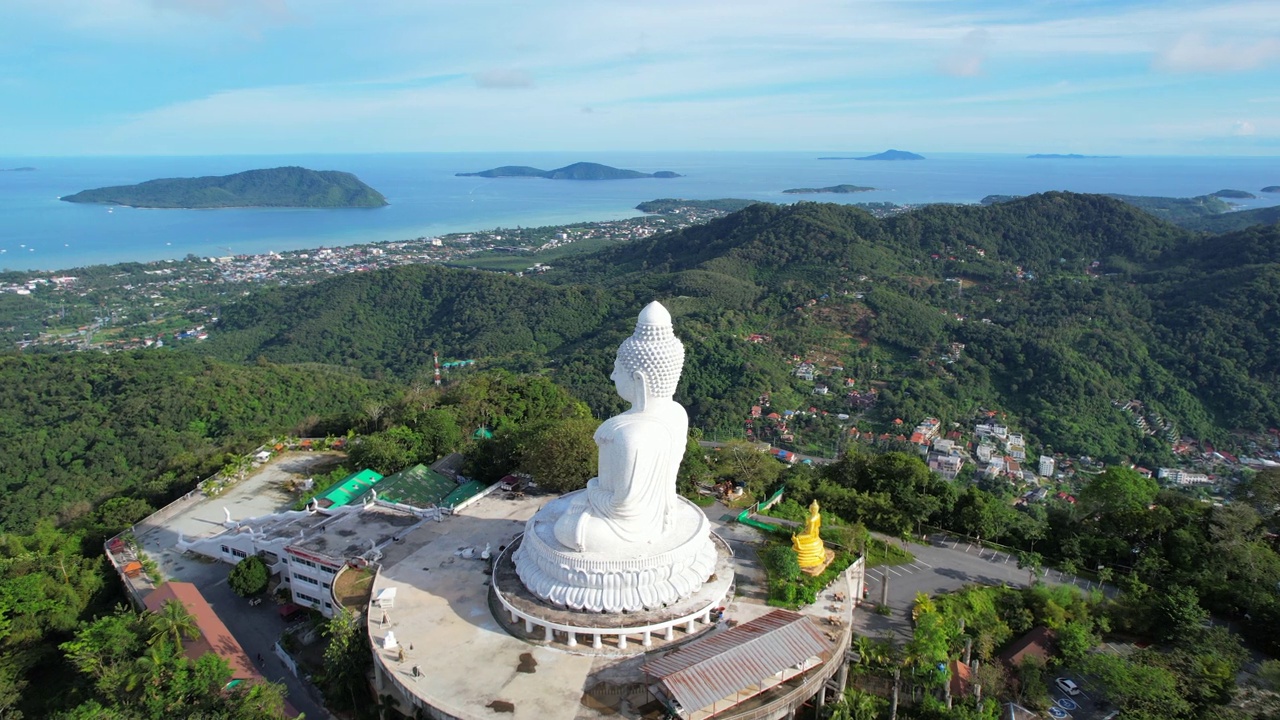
{"points": [[256, 628], [942, 565], [1086, 705]]}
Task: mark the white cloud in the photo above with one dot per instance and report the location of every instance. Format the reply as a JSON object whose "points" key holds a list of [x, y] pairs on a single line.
{"points": [[503, 78], [160, 20], [1193, 52], [1243, 128], [967, 60]]}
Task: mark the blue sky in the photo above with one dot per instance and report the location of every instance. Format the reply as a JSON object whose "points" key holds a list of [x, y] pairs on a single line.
{"points": [[161, 77]]}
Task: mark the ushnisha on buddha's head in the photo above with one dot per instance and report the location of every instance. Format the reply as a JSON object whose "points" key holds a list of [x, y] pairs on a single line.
{"points": [[649, 362]]}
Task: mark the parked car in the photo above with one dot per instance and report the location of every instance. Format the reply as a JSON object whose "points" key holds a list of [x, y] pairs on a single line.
{"points": [[1068, 686]]}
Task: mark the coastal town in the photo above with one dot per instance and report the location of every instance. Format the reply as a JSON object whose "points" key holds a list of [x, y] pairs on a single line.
{"points": [[140, 305]]}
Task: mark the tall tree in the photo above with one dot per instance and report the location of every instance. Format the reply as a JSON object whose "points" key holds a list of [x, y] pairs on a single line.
{"points": [[347, 660], [173, 623]]}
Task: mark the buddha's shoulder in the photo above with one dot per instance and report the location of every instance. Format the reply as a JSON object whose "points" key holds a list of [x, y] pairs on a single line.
{"points": [[638, 424]]}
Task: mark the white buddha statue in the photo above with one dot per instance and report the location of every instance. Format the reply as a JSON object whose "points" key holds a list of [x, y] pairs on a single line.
{"points": [[627, 541], [639, 450]]}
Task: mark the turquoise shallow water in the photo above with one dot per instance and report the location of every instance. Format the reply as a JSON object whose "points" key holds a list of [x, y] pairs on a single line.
{"points": [[39, 231]]}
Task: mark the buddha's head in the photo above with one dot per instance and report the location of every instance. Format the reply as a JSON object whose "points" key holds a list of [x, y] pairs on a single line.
{"points": [[649, 362]]}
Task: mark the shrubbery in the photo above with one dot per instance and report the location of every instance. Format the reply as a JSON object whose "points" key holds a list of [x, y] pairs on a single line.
{"points": [[249, 577]]}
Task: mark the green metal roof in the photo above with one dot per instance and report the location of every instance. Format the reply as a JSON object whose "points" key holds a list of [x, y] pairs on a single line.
{"points": [[351, 487], [418, 486], [463, 492]]}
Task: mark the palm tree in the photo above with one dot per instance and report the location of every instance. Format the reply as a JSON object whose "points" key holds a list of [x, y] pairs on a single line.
{"points": [[923, 604], [150, 671], [174, 622], [861, 705]]}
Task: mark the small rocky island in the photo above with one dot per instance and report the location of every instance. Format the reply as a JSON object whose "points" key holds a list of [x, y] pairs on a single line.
{"points": [[838, 189], [1234, 194], [886, 155], [1271, 189], [283, 187], [576, 171], [18, 169]]}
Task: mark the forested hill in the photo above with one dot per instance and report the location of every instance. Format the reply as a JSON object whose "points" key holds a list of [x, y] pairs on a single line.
{"points": [[1238, 220], [1064, 304], [390, 322], [81, 427], [1048, 233], [275, 187]]}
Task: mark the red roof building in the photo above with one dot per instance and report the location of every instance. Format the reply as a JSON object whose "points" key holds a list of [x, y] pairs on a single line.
{"points": [[214, 636], [961, 681], [1037, 643]]}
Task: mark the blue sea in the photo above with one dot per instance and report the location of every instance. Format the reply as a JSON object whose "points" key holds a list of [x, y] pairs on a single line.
{"points": [[37, 231]]}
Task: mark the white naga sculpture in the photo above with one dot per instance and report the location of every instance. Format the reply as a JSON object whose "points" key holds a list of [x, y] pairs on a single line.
{"points": [[628, 541]]}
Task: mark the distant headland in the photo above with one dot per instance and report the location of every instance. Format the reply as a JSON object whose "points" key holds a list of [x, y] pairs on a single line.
{"points": [[839, 189], [283, 187], [18, 169], [1070, 156], [1271, 189], [1234, 195], [886, 155], [576, 171]]}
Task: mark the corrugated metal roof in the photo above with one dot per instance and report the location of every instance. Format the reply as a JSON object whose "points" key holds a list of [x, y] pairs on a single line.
{"points": [[715, 667]]}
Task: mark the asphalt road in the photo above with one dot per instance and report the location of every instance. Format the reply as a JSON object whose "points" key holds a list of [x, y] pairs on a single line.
{"points": [[942, 565]]}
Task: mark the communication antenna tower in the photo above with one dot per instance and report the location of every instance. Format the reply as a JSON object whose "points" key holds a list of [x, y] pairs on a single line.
{"points": [[435, 357]]}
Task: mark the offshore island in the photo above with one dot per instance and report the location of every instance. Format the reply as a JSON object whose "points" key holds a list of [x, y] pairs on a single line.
{"points": [[576, 171], [283, 187], [837, 189], [886, 155]]}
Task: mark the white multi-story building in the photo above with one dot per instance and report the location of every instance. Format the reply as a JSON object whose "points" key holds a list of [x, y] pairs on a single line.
{"points": [[308, 547], [948, 466], [1046, 466], [1015, 447], [985, 429], [1182, 477], [945, 446]]}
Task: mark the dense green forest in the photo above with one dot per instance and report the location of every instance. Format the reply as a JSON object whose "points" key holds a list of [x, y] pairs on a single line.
{"points": [[1239, 220], [1063, 303], [79, 428], [1048, 309], [275, 187]]}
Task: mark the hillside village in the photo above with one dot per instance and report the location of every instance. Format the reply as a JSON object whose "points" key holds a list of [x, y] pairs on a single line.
{"points": [[985, 449]]}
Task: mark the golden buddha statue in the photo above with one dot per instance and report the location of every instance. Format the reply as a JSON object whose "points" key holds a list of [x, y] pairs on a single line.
{"points": [[808, 544]]}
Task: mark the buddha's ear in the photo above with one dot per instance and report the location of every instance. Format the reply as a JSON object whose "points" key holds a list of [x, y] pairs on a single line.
{"points": [[642, 390]]}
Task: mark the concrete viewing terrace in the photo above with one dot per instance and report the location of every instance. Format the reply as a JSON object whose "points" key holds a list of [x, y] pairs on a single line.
{"points": [[438, 646]]}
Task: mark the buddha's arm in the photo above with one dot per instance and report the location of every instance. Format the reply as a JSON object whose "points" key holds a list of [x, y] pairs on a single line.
{"points": [[632, 453]]}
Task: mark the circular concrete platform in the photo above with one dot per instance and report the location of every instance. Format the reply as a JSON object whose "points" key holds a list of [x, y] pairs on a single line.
{"points": [[529, 618]]}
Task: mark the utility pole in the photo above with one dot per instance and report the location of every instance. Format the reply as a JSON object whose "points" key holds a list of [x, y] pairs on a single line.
{"points": [[893, 708]]}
